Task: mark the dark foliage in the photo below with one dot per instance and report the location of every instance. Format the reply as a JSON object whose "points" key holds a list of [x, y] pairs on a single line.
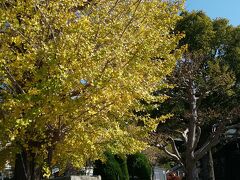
{"points": [[139, 167]]}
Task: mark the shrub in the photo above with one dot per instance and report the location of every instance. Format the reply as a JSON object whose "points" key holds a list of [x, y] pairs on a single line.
{"points": [[139, 167], [115, 168]]}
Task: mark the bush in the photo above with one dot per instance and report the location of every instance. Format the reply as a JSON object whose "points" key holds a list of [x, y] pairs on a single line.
{"points": [[122, 160], [115, 168], [139, 167]]}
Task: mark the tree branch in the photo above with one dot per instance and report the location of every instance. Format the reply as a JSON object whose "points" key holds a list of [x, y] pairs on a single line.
{"points": [[131, 20], [115, 4], [47, 23], [13, 80], [183, 134], [211, 142], [175, 155], [174, 148], [172, 155], [198, 135]]}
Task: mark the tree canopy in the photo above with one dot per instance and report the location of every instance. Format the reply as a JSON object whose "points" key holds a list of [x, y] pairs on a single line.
{"points": [[72, 74], [205, 88]]}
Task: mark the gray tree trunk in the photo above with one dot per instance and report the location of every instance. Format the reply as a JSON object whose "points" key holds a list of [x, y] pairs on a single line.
{"points": [[211, 166], [190, 163], [25, 167], [191, 170]]}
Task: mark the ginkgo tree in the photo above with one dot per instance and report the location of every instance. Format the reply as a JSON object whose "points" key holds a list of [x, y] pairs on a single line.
{"points": [[72, 74]]}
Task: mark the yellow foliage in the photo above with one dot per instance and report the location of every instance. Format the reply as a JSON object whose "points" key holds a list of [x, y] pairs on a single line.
{"points": [[76, 71]]}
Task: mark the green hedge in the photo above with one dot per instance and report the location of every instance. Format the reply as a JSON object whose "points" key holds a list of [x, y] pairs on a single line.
{"points": [[139, 167], [115, 168]]}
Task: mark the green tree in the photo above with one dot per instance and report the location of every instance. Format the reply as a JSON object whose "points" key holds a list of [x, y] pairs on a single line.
{"points": [[139, 167], [114, 168], [71, 74], [232, 51], [203, 89]]}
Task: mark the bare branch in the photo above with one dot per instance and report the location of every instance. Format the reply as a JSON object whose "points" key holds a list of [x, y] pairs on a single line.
{"points": [[172, 155], [183, 134], [175, 154], [174, 148], [211, 142], [198, 135]]}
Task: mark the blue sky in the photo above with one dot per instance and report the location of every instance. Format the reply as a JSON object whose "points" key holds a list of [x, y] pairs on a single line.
{"points": [[229, 9]]}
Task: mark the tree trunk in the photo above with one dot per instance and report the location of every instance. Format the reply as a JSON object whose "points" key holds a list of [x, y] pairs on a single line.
{"points": [[25, 167], [190, 162], [191, 170], [20, 167], [204, 174], [211, 166], [207, 167]]}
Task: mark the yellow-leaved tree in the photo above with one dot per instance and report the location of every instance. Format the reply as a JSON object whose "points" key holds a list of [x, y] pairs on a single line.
{"points": [[72, 74]]}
